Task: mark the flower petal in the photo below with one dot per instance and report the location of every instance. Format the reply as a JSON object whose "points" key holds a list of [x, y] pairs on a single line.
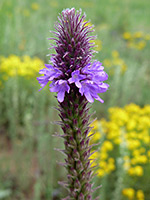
{"points": [[89, 97], [60, 96]]}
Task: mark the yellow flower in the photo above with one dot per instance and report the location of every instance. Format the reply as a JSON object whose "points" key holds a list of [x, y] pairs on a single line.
{"points": [[100, 172], [129, 127], [103, 155], [111, 160], [133, 161], [127, 36], [146, 109], [131, 124], [102, 164], [95, 125], [94, 155], [140, 195], [138, 170], [148, 153], [21, 66], [120, 116], [96, 137], [136, 152], [132, 108], [132, 144], [115, 54], [138, 34], [110, 167], [147, 37], [142, 150], [131, 171], [117, 141], [129, 192], [35, 6], [107, 146], [142, 159], [141, 45]]}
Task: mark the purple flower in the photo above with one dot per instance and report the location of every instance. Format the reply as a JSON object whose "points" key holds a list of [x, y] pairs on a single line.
{"points": [[49, 74], [90, 81], [72, 61], [76, 77], [95, 71], [95, 67], [60, 86], [90, 90]]}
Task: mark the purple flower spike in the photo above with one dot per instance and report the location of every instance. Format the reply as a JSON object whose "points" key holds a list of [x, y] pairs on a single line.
{"points": [[49, 74], [72, 61], [76, 80], [76, 77], [60, 86]]}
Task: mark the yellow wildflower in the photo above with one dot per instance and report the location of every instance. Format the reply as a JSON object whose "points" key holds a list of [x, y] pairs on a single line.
{"points": [[129, 192], [20, 66], [100, 172], [96, 137], [127, 36], [138, 34], [131, 124], [115, 54], [107, 146], [141, 45], [103, 155], [138, 170], [131, 171], [140, 195], [147, 37], [102, 164], [35, 6]]}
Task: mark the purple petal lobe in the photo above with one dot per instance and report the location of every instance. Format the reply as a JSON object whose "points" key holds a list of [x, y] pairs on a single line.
{"points": [[60, 86]]}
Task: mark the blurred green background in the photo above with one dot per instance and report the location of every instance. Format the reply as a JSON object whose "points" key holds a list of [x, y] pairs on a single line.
{"points": [[28, 163]]}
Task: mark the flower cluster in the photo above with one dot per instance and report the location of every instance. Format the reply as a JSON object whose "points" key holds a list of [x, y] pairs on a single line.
{"points": [[72, 67], [23, 66], [114, 62], [19, 66], [89, 81], [135, 122], [137, 40], [130, 193], [124, 146]]}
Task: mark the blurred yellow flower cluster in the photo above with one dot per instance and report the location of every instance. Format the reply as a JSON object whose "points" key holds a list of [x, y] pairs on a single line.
{"points": [[136, 40], [131, 194], [127, 130], [19, 66], [115, 61], [35, 6]]}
